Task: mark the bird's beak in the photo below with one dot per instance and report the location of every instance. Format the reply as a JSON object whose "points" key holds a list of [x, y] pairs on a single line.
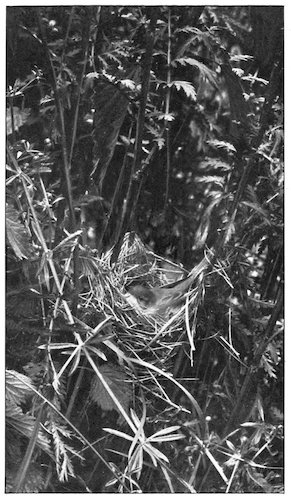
{"points": [[131, 300]]}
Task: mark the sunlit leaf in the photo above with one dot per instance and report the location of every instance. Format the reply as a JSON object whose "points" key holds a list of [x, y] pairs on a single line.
{"points": [[186, 87]]}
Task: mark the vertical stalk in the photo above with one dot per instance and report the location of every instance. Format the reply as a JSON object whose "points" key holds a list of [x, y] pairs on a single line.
{"points": [[80, 85], [145, 84], [116, 192], [60, 110], [27, 459], [167, 110], [12, 119], [130, 202], [142, 108], [271, 94]]}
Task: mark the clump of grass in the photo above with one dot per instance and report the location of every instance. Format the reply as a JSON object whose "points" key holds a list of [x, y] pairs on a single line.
{"points": [[135, 330]]}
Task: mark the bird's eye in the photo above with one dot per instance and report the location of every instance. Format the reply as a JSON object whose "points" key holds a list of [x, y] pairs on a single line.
{"points": [[144, 300], [144, 296]]}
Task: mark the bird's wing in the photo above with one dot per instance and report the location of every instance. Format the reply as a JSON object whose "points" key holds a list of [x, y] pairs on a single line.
{"points": [[184, 283]]}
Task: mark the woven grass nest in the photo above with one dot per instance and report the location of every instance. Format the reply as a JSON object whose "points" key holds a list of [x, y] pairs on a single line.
{"points": [[137, 334]]}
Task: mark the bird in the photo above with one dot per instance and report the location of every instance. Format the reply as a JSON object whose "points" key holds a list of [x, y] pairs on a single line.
{"points": [[156, 301]]}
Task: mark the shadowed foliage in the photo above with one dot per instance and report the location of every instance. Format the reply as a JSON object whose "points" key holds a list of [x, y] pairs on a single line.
{"points": [[140, 141]]}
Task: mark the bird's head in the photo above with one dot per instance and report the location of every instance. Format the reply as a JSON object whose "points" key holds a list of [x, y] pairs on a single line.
{"points": [[144, 296]]}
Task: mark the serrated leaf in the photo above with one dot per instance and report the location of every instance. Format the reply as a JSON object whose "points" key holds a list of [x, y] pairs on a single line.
{"points": [[23, 423], [115, 378], [187, 87], [238, 72], [16, 234], [203, 36], [92, 75], [268, 366], [223, 145], [17, 389], [214, 163], [211, 178], [168, 117], [130, 84], [207, 73]]}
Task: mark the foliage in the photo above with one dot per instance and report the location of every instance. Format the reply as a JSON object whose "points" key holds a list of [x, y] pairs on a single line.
{"points": [[138, 137]]}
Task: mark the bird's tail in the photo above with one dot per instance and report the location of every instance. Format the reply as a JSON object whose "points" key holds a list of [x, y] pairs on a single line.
{"points": [[184, 283], [205, 262]]}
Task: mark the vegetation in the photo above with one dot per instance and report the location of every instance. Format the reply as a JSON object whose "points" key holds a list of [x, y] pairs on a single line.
{"points": [[138, 138]]}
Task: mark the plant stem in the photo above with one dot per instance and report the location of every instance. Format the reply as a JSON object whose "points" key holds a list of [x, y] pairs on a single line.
{"points": [[23, 468], [167, 110], [67, 167], [238, 411]]}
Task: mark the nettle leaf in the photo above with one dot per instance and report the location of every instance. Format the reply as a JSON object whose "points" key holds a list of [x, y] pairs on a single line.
{"points": [[17, 389], [223, 145], [196, 35], [116, 379], [17, 235], [238, 72], [216, 163], [161, 142], [168, 117], [211, 179], [187, 87], [130, 84], [156, 133], [206, 72], [23, 424], [268, 365], [92, 75]]}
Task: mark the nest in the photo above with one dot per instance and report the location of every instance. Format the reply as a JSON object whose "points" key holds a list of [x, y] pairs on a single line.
{"points": [[155, 339]]}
